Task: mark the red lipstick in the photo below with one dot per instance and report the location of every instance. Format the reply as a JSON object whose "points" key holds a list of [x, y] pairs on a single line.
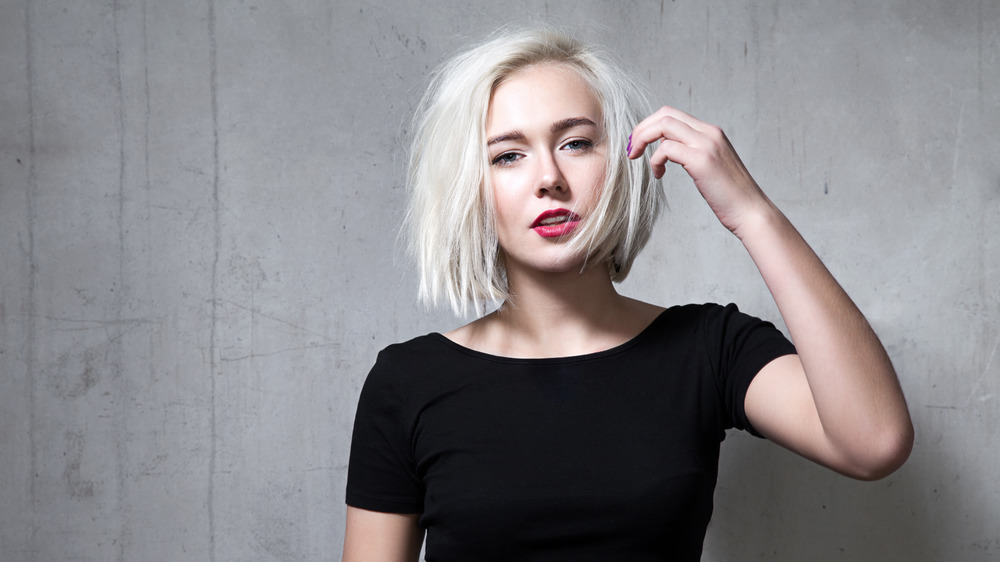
{"points": [[555, 222]]}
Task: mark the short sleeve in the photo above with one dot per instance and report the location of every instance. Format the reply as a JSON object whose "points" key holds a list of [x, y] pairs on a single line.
{"points": [[740, 346], [381, 474]]}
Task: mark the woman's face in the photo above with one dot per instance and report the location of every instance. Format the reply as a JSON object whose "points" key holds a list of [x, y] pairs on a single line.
{"points": [[547, 157]]}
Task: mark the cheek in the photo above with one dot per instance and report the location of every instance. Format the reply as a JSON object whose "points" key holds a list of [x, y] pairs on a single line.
{"points": [[591, 182], [510, 191], [503, 208]]}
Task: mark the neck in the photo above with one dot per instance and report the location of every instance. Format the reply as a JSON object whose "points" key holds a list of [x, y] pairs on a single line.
{"points": [[538, 297], [557, 314], [562, 314]]}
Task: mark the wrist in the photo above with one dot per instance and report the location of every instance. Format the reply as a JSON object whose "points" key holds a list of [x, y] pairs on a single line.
{"points": [[757, 222]]}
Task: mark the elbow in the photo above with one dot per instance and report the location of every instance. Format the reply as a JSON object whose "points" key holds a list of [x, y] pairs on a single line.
{"points": [[888, 452]]}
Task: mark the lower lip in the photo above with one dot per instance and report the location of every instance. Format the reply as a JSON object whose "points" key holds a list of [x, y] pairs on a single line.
{"points": [[556, 230]]}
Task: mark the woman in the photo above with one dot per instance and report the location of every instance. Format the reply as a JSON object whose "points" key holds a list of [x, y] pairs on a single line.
{"points": [[573, 423]]}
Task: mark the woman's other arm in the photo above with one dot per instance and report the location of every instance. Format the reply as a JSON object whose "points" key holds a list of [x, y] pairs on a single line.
{"points": [[371, 536], [838, 402]]}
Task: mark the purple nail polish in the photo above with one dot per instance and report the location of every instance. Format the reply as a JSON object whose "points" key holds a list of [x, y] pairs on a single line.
{"points": [[628, 149]]}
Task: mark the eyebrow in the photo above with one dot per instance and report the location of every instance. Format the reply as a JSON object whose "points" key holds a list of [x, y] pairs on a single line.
{"points": [[556, 127]]}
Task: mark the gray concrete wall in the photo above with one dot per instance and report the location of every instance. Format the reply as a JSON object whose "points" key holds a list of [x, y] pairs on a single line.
{"points": [[198, 257]]}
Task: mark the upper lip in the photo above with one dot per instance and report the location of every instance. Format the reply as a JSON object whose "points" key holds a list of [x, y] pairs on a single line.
{"points": [[555, 213]]}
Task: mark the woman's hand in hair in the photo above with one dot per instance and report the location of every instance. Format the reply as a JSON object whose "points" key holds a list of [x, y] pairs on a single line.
{"points": [[707, 156], [838, 402]]}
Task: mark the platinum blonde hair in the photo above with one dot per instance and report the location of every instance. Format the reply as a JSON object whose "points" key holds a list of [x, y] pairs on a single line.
{"points": [[454, 238]]}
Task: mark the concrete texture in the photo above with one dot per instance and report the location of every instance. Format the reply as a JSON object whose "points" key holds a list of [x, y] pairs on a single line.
{"points": [[199, 202]]}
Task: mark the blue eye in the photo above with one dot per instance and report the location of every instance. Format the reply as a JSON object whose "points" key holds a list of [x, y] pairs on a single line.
{"points": [[506, 159], [578, 145]]}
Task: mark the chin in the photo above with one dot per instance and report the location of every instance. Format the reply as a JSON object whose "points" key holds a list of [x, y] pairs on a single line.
{"points": [[554, 264]]}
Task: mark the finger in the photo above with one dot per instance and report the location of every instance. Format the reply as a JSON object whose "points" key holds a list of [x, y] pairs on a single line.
{"points": [[667, 111], [664, 127], [669, 151], [691, 120]]}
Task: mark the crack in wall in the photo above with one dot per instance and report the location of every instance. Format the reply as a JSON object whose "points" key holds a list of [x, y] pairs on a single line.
{"points": [[31, 350], [120, 421], [213, 338]]}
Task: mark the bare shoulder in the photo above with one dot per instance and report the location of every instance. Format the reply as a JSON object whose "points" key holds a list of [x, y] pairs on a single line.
{"points": [[641, 314], [474, 331]]}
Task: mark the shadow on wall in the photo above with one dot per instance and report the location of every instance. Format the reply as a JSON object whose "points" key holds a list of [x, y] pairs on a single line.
{"points": [[773, 505]]}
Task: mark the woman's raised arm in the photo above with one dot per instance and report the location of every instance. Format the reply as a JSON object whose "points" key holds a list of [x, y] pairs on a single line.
{"points": [[371, 536], [838, 402]]}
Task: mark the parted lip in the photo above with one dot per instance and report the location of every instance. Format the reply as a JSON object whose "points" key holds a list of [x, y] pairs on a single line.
{"points": [[550, 213]]}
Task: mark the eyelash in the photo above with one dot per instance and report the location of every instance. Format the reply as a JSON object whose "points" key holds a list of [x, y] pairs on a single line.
{"points": [[502, 160], [586, 144]]}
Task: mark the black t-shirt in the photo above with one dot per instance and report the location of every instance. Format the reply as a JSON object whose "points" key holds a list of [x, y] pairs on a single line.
{"points": [[606, 456]]}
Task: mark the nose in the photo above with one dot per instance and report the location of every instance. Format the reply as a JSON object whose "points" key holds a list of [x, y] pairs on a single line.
{"points": [[551, 181]]}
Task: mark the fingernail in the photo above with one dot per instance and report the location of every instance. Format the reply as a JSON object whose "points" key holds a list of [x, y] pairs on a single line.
{"points": [[628, 149]]}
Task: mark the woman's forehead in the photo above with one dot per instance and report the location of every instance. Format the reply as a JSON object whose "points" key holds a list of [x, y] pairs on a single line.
{"points": [[539, 95]]}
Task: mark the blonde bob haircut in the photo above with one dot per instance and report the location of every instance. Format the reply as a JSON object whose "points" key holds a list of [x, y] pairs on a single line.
{"points": [[454, 238]]}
